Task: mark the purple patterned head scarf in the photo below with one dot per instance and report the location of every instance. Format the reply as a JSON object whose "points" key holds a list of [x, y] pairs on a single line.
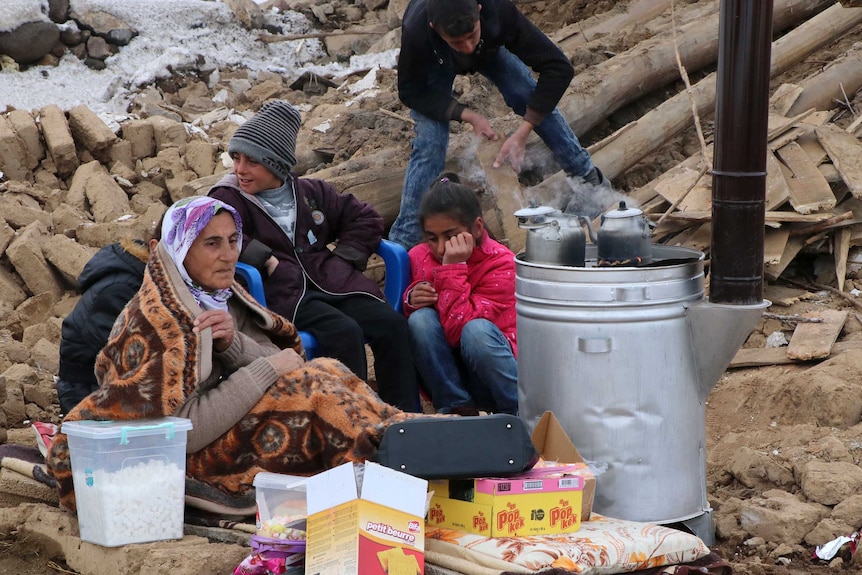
{"points": [[182, 224]]}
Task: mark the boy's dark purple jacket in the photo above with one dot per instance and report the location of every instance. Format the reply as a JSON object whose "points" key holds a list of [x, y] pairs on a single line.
{"points": [[323, 216]]}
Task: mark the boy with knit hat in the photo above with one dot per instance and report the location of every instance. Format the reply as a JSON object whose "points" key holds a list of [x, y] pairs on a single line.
{"points": [[444, 38], [289, 222]]}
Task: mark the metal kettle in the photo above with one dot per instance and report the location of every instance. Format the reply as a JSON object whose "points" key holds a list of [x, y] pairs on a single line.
{"points": [[554, 237], [624, 238]]}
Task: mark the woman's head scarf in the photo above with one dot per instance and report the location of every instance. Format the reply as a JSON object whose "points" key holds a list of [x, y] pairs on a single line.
{"points": [[182, 224]]}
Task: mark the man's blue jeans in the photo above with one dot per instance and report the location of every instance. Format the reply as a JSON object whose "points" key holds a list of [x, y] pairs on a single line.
{"points": [[428, 156], [482, 373]]}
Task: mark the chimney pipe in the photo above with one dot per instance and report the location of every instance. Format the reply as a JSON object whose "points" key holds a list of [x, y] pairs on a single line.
{"points": [[739, 172]]}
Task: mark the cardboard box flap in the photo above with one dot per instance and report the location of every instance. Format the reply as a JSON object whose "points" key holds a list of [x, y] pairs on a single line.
{"points": [[554, 445], [551, 440], [331, 488], [394, 489]]}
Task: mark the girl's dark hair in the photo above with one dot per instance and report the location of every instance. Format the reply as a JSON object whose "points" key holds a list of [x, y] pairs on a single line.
{"points": [[449, 197]]}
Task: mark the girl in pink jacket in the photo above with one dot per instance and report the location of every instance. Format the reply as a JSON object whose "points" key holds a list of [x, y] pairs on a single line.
{"points": [[461, 306]]}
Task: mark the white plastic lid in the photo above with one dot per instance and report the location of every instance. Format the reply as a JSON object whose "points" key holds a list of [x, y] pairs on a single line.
{"points": [[91, 429], [268, 480]]}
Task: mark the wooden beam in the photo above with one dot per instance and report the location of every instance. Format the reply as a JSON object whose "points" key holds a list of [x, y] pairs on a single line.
{"points": [[845, 152], [809, 190], [815, 340]]}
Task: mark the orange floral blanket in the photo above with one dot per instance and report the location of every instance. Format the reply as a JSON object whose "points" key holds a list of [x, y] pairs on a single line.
{"points": [[602, 546]]}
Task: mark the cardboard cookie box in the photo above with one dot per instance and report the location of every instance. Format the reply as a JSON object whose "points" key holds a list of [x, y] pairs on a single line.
{"points": [[553, 497], [365, 519]]}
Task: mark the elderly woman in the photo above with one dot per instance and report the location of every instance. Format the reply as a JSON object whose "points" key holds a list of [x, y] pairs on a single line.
{"points": [[194, 344]]}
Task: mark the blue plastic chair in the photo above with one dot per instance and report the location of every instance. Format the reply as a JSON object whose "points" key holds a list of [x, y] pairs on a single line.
{"points": [[397, 279]]}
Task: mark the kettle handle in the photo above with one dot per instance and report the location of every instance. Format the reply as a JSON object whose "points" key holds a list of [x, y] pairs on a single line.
{"points": [[590, 231]]}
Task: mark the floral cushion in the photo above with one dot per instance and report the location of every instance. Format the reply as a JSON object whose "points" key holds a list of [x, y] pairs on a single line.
{"points": [[601, 546]]}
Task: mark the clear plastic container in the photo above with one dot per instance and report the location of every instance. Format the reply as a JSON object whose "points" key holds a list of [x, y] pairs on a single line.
{"points": [[129, 478], [281, 506]]}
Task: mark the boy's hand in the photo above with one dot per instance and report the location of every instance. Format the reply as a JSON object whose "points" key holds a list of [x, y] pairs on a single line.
{"points": [[458, 248], [422, 295]]}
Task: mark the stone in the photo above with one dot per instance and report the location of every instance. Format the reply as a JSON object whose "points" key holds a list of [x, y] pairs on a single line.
{"points": [[66, 219], [830, 483], [757, 469], [59, 140], [91, 132], [28, 134], [29, 42], [105, 25], [200, 157], [58, 11], [249, 13], [19, 215], [827, 530], [107, 199], [98, 48], [779, 517], [849, 511], [14, 350], [13, 406], [50, 330], [68, 256], [140, 134], [25, 255], [13, 156], [44, 355], [11, 289], [168, 133]]}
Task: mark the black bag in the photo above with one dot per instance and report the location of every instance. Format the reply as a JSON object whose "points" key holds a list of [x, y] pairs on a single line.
{"points": [[495, 445]]}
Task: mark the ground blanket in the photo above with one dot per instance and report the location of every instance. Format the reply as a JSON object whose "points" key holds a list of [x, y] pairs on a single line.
{"points": [[602, 546]]}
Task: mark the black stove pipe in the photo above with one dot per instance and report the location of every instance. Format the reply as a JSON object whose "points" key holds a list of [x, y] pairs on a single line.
{"points": [[739, 165]]}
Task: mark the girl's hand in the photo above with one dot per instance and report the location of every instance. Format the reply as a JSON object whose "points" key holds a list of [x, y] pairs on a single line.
{"points": [[285, 361], [458, 248], [422, 295], [221, 324]]}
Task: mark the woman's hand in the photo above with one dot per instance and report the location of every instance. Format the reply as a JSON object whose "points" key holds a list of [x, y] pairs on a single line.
{"points": [[285, 361], [221, 324], [423, 294]]}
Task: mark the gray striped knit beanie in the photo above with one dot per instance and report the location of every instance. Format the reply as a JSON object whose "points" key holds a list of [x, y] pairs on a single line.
{"points": [[269, 137]]}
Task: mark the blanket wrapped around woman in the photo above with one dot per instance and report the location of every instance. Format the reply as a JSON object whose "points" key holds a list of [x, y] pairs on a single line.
{"points": [[154, 364]]}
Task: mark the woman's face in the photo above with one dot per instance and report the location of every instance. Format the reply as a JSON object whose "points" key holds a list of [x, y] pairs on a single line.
{"points": [[211, 260], [253, 176]]}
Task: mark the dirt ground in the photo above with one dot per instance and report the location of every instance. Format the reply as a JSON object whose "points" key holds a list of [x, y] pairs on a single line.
{"points": [[789, 411]]}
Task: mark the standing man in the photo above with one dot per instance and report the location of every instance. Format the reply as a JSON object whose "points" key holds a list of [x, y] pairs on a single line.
{"points": [[443, 38]]}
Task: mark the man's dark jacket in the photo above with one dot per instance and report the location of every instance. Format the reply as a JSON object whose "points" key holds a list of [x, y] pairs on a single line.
{"points": [[424, 54]]}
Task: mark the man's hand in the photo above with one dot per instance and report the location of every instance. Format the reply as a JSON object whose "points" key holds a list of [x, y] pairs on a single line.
{"points": [[285, 361], [423, 294], [221, 324], [458, 248], [515, 147], [481, 125]]}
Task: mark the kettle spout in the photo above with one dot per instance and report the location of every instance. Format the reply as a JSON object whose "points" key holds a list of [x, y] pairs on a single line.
{"points": [[717, 332]]}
